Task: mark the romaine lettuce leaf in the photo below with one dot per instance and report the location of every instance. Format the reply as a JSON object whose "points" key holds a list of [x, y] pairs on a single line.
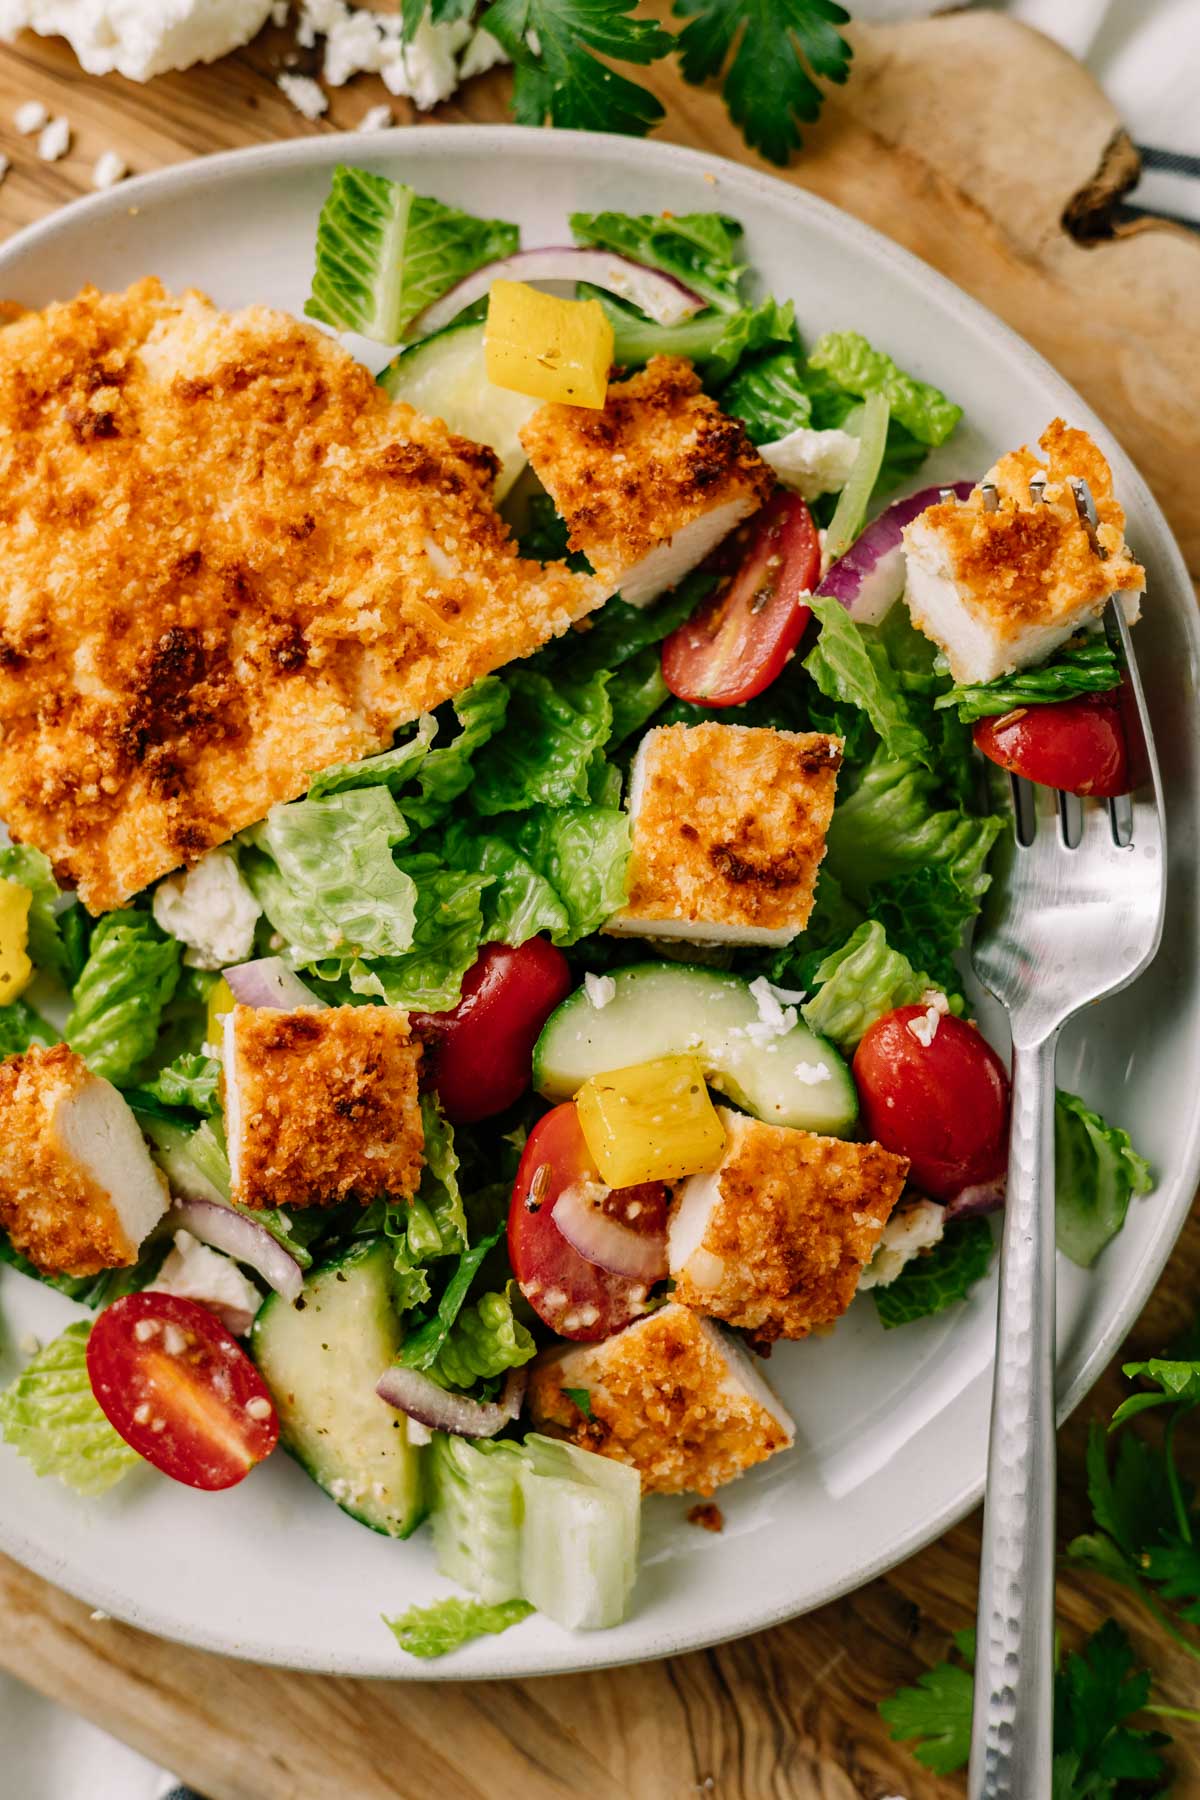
{"points": [[94, 1290], [50, 1415], [447, 933], [485, 1340], [854, 364], [769, 396], [889, 826], [449, 769], [715, 341], [324, 874], [552, 731], [129, 976], [520, 902], [385, 252], [939, 1278], [476, 1514], [1096, 1171], [423, 1344], [20, 1026], [391, 769], [582, 851], [193, 1081], [618, 633], [57, 937], [635, 695], [698, 249], [859, 983], [1089, 667], [437, 1224], [852, 669], [447, 1625], [924, 912]]}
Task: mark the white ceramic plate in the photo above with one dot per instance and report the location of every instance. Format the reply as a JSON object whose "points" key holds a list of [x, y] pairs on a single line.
{"points": [[892, 1429]]}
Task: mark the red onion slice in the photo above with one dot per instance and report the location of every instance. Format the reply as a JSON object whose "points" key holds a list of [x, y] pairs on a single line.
{"points": [[869, 579], [223, 1229], [973, 1202], [415, 1394], [603, 1240], [660, 296], [269, 982]]}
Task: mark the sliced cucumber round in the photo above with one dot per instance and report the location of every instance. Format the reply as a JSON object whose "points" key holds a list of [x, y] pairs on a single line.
{"points": [[444, 377], [321, 1359], [659, 1009]]}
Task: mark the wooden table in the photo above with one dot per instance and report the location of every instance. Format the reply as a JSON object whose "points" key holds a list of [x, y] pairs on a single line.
{"points": [[991, 154]]}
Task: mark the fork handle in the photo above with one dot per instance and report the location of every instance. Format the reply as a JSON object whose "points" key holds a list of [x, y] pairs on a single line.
{"points": [[1012, 1733]]}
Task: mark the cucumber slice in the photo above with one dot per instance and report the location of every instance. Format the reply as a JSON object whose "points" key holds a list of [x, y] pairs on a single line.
{"points": [[662, 1009], [321, 1359], [444, 377]]}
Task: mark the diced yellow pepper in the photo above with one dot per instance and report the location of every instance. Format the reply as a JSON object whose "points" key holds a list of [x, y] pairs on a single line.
{"points": [[553, 349], [15, 966], [652, 1122], [220, 1001]]}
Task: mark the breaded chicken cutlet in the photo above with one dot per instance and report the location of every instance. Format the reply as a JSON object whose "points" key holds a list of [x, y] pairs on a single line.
{"points": [[227, 561]]}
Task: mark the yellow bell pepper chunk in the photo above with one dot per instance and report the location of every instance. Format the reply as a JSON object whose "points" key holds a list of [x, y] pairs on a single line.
{"points": [[220, 1001], [16, 970], [552, 349], [652, 1122]]}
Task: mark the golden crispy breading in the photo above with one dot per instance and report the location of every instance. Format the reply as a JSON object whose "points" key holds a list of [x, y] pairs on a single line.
{"points": [[226, 561], [321, 1105], [673, 1396], [657, 458], [790, 1220], [728, 827], [1030, 564], [78, 1191]]}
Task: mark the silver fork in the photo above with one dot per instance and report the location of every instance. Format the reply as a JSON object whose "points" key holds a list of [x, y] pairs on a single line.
{"points": [[1075, 912]]}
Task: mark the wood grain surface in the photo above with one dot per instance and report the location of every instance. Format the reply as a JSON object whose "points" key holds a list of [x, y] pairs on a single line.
{"points": [[991, 154]]}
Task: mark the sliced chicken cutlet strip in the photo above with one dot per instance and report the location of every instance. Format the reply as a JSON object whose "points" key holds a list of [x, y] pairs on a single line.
{"points": [[226, 561]]}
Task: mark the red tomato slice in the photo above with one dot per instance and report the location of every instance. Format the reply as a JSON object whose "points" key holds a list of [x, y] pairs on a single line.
{"points": [[576, 1298], [180, 1389], [740, 639], [943, 1105], [1078, 746], [481, 1052]]}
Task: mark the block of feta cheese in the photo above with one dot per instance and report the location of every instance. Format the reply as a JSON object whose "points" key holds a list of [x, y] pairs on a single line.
{"points": [[999, 581], [910, 1231], [139, 38], [729, 826], [211, 909], [78, 1190], [775, 1240], [652, 483], [673, 1395], [194, 1271], [321, 1105]]}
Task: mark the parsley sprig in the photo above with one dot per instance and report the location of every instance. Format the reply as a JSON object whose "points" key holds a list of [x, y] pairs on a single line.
{"points": [[1147, 1537]]}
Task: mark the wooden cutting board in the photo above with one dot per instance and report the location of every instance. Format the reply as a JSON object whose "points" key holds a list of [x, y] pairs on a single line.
{"points": [[990, 153]]}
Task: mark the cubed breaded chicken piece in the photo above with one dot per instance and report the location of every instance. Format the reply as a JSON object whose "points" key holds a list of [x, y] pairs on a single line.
{"points": [[652, 484], [673, 1395], [729, 826], [1000, 590], [78, 1190], [775, 1239], [227, 561], [321, 1104]]}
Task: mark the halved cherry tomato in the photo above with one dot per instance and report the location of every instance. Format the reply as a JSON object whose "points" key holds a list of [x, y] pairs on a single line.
{"points": [[480, 1053], [576, 1298], [740, 639], [944, 1104], [180, 1390], [1078, 746]]}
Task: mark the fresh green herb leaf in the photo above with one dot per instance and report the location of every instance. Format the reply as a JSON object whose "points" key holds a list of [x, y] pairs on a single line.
{"points": [[581, 1398], [130, 975], [1089, 667], [938, 1279], [937, 1711], [777, 47], [562, 79], [699, 249], [450, 1624], [1096, 1171], [50, 1415], [385, 253], [1096, 1691], [854, 364]]}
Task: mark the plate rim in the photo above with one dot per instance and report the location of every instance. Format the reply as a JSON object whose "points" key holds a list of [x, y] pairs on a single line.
{"points": [[529, 144]]}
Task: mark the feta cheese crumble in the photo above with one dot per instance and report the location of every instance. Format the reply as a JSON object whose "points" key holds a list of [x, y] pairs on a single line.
{"points": [[377, 118], [108, 170], [776, 1011], [924, 1029], [600, 989], [54, 139], [211, 910], [5, 166], [30, 117], [193, 1271], [306, 95], [812, 463], [138, 38], [906, 1235], [812, 1074]]}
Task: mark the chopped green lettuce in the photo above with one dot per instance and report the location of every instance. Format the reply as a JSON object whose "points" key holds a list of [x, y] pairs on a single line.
{"points": [[446, 940], [939, 1278], [769, 396], [870, 425], [486, 1339], [699, 249], [520, 902], [385, 253], [94, 1290], [323, 872], [20, 1026], [617, 634], [57, 936], [50, 1415], [543, 754], [130, 974], [715, 341], [582, 851], [1089, 667], [476, 1514], [1096, 1171], [852, 669], [636, 696], [450, 1624], [433, 1223], [892, 824], [449, 770], [423, 1343], [193, 1081], [854, 364], [859, 983], [391, 769]]}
